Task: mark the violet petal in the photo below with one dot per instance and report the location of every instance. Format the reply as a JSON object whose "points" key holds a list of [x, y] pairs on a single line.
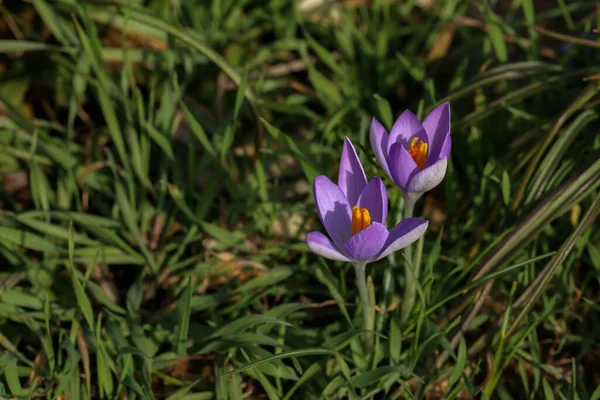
{"points": [[321, 245], [402, 167], [379, 143], [351, 178], [367, 243], [427, 179], [405, 233], [374, 198], [446, 147], [333, 209], [405, 128], [437, 126], [442, 151]]}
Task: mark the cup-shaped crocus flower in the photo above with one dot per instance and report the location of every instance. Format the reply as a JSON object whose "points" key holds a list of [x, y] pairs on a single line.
{"points": [[415, 154], [353, 213]]}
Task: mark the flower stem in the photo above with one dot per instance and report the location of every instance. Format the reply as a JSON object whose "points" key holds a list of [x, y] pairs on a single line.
{"points": [[361, 282], [388, 279], [410, 291]]}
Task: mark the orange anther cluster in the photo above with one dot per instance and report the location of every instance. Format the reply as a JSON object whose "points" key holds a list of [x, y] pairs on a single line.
{"points": [[361, 219], [418, 152]]}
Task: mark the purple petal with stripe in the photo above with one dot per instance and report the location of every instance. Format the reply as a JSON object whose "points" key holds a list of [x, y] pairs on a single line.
{"points": [[351, 178], [446, 147], [367, 243], [333, 209], [427, 179], [402, 167], [379, 143], [405, 128], [405, 233], [321, 245], [374, 198], [437, 126]]}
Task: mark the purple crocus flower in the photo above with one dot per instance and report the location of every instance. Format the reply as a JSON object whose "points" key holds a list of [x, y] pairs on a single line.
{"points": [[415, 154], [353, 213]]}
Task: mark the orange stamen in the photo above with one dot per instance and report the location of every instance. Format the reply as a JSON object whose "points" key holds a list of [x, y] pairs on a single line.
{"points": [[418, 152], [361, 219]]}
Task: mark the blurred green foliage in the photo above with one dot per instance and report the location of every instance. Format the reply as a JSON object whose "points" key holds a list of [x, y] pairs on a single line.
{"points": [[156, 164]]}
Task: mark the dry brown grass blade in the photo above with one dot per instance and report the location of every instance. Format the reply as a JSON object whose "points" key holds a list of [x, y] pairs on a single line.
{"points": [[472, 22], [592, 78], [85, 357], [565, 38]]}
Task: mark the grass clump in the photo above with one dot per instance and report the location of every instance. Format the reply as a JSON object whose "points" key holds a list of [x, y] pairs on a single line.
{"points": [[157, 161]]}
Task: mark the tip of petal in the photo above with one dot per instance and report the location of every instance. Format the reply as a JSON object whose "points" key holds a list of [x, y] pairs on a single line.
{"points": [[351, 175], [319, 179], [375, 121], [378, 180], [438, 116], [377, 129], [407, 112], [441, 108], [444, 107], [406, 127], [348, 147]]}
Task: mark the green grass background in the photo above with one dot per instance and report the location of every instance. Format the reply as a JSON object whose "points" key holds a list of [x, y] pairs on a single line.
{"points": [[157, 157]]}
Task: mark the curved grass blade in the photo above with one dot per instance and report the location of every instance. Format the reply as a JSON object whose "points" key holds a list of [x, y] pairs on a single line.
{"points": [[562, 198], [552, 160], [535, 290], [340, 341], [576, 105], [295, 353], [243, 323], [11, 46], [370, 377], [503, 73], [192, 39]]}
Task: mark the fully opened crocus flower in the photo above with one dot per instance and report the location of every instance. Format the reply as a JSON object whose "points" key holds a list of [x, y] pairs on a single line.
{"points": [[415, 154], [353, 213]]}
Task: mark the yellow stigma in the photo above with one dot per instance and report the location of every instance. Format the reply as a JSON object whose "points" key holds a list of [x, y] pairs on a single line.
{"points": [[361, 219], [418, 152]]}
